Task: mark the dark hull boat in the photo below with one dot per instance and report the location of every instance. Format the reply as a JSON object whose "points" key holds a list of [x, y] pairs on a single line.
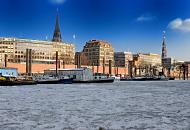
{"points": [[172, 78], [55, 81], [66, 81], [95, 81], [47, 81], [17, 83], [145, 79]]}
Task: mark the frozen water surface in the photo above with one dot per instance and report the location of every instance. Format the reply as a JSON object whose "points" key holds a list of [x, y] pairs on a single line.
{"points": [[121, 106]]}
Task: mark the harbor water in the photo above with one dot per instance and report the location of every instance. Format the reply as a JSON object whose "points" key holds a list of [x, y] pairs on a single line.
{"points": [[131, 105]]}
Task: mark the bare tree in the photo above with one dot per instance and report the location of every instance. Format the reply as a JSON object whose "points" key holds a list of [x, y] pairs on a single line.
{"points": [[66, 58]]}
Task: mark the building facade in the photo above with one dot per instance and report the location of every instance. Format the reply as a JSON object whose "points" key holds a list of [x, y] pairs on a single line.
{"points": [[98, 52], [147, 59], [42, 51], [122, 58]]}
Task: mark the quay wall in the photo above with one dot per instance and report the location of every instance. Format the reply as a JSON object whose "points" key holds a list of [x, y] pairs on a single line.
{"points": [[39, 68]]}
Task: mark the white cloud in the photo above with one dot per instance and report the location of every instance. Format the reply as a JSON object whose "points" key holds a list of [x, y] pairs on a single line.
{"points": [[144, 17], [181, 25], [58, 1]]}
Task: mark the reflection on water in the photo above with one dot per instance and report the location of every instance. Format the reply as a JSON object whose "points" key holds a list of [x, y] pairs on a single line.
{"points": [[121, 105]]}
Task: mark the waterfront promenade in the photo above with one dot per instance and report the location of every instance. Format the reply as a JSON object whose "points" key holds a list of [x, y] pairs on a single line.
{"points": [[121, 105]]}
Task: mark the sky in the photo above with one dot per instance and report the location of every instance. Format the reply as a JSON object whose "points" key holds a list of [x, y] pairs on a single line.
{"points": [[129, 25]]}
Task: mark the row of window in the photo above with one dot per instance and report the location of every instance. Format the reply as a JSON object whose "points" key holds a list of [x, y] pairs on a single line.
{"points": [[34, 57], [6, 43], [6, 51]]}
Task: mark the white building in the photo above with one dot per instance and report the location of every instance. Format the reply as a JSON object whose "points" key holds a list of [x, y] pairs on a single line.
{"points": [[81, 74]]}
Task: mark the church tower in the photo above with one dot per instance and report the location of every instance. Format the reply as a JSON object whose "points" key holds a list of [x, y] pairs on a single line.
{"points": [[57, 33], [164, 49]]}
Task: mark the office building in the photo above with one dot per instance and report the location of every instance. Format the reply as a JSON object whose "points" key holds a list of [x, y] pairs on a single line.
{"points": [[122, 58], [98, 52]]}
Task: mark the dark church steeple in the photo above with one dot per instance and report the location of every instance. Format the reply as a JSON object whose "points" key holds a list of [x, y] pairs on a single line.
{"points": [[164, 49], [57, 32]]}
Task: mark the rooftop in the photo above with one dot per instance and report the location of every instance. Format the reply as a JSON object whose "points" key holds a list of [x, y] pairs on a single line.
{"points": [[21, 40], [73, 69]]}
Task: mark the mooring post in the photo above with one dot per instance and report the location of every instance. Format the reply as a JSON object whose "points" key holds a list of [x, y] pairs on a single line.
{"points": [[110, 67], [104, 65], [187, 72], [27, 61], [184, 71], [97, 67], [56, 62], [30, 62], [5, 60]]}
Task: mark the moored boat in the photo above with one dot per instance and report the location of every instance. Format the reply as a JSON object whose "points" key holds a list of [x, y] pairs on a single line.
{"points": [[145, 79], [9, 77], [52, 80], [108, 80], [16, 83], [97, 78], [81, 75]]}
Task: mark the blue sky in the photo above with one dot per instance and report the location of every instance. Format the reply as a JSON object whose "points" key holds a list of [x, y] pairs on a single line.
{"points": [[130, 25]]}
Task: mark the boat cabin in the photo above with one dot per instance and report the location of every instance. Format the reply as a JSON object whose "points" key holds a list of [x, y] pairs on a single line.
{"points": [[80, 74], [8, 72]]}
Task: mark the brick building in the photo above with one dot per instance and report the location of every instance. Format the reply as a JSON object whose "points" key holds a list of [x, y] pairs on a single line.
{"points": [[122, 58], [98, 52]]}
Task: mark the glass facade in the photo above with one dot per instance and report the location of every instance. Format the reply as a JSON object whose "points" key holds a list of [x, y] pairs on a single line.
{"points": [[42, 51]]}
